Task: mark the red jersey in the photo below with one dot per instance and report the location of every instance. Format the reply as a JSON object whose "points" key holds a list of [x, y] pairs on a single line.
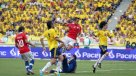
{"points": [[21, 43], [74, 30]]}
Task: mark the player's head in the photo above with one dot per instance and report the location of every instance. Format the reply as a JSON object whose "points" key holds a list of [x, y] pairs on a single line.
{"points": [[49, 24], [103, 25], [76, 20], [21, 29]]}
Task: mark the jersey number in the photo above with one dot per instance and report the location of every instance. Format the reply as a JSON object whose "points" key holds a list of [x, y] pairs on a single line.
{"points": [[20, 43]]}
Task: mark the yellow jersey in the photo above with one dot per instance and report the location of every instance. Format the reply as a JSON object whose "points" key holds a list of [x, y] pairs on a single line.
{"points": [[50, 35], [103, 37]]}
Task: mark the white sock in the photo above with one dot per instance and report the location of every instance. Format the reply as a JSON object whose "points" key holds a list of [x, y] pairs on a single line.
{"points": [[95, 65], [46, 66], [59, 64], [101, 59]]}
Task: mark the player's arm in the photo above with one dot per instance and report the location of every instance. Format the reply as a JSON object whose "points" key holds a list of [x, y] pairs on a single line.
{"points": [[95, 35], [110, 35], [26, 40], [66, 27], [79, 32], [58, 39], [29, 43], [42, 41], [16, 43]]}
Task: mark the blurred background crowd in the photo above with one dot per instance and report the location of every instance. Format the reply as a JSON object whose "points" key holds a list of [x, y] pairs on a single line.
{"points": [[33, 14]]}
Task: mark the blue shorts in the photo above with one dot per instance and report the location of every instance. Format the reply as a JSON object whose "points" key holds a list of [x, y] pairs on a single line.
{"points": [[55, 52], [103, 49]]}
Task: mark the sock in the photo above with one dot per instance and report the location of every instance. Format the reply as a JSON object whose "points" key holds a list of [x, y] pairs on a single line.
{"points": [[101, 59], [59, 66], [27, 66], [95, 65], [31, 64], [46, 66]]}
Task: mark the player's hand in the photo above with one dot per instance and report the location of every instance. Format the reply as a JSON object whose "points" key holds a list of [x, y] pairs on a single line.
{"points": [[44, 48], [97, 40]]}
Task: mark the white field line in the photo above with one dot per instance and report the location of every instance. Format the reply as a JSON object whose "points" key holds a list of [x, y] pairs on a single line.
{"points": [[99, 70], [109, 70]]}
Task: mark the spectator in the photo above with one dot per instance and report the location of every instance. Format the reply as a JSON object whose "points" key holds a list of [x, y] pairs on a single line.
{"points": [[86, 42]]}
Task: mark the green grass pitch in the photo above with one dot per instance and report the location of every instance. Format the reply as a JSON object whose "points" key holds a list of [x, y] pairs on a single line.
{"points": [[15, 67]]}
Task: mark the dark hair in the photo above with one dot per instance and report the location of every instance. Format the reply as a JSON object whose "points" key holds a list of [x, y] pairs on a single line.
{"points": [[76, 18], [75, 57], [21, 28], [102, 24], [49, 24]]}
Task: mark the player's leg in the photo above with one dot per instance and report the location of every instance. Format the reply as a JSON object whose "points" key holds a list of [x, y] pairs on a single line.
{"points": [[31, 64], [60, 59], [49, 64], [27, 67], [31, 59], [57, 54], [96, 63], [70, 43], [65, 64], [63, 46], [23, 56], [69, 47], [59, 64], [104, 53]]}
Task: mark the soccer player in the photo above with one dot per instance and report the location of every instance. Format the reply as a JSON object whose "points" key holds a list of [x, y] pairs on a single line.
{"points": [[102, 34], [68, 66], [74, 29], [21, 42], [53, 40]]}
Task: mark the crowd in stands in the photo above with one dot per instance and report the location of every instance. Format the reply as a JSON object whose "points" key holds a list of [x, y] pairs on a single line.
{"points": [[126, 26], [33, 14]]}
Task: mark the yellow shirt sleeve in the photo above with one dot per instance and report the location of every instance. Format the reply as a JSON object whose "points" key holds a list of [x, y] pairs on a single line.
{"points": [[109, 34], [96, 33]]}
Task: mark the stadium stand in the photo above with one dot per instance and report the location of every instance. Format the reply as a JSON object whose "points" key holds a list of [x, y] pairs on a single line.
{"points": [[126, 26], [33, 14]]}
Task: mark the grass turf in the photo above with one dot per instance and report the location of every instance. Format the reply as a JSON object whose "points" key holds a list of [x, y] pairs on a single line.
{"points": [[15, 67]]}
